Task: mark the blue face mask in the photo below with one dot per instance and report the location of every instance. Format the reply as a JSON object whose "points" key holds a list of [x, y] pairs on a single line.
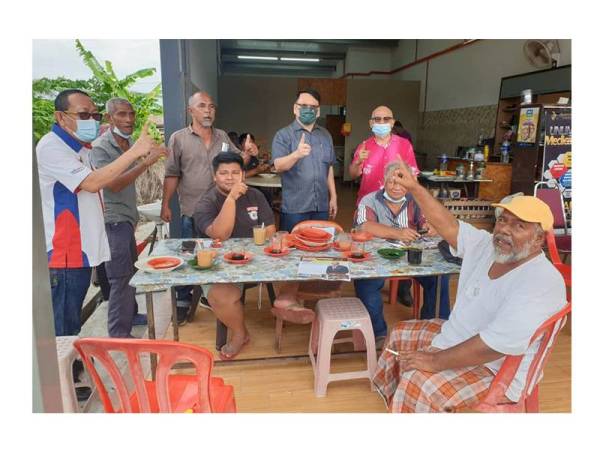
{"points": [[120, 133], [390, 199], [307, 116], [87, 130], [381, 129]]}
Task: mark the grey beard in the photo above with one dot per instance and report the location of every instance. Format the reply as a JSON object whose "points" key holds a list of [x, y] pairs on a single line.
{"points": [[504, 258]]}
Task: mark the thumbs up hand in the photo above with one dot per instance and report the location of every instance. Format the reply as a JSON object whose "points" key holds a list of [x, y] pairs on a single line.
{"points": [[303, 148], [363, 153]]}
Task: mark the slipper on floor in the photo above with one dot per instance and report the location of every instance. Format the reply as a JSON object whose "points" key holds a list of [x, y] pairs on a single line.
{"points": [[294, 314]]}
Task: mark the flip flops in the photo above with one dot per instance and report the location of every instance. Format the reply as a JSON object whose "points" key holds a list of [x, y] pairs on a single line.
{"points": [[294, 314], [227, 354]]}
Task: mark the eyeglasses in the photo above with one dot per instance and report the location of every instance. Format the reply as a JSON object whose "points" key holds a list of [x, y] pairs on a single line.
{"points": [[84, 115], [381, 119], [313, 107]]}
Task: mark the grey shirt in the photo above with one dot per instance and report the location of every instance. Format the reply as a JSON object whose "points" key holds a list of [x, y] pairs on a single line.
{"points": [[304, 186], [118, 206], [191, 162]]}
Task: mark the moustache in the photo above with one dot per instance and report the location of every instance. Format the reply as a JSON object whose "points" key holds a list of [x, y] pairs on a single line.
{"points": [[503, 238]]}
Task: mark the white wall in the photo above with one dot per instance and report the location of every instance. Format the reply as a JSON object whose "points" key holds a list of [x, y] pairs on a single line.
{"points": [[364, 60], [202, 64], [466, 77]]}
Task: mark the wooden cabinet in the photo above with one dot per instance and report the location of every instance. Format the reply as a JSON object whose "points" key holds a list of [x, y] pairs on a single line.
{"points": [[332, 90], [501, 174]]}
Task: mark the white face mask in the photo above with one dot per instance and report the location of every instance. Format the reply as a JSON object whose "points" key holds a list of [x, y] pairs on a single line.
{"points": [[120, 133], [390, 199]]}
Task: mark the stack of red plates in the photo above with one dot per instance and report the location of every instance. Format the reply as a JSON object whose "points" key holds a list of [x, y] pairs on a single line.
{"points": [[312, 239]]}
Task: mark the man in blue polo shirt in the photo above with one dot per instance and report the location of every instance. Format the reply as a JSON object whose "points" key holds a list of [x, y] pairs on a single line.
{"points": [[71, 203], [303, 153]]}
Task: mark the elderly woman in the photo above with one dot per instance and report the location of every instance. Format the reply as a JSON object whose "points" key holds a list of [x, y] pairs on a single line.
{"points": [[392, 213]]}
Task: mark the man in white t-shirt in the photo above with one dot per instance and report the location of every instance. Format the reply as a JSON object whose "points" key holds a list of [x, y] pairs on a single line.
{"points": [[507, 288], [71, 203]]}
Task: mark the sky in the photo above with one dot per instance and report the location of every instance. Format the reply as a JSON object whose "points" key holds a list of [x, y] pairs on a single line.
{"points": [[53, 58]]}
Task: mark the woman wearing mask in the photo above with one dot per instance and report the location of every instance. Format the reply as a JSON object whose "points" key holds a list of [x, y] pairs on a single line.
{"points": [[374, 154]]}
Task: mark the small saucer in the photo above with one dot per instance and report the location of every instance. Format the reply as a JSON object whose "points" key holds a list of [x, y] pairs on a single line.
{"points": [[268, 252], [193, 263], [366, 257], [247, 258]]}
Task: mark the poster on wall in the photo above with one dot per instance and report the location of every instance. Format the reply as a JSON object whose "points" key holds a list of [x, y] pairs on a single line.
{"points": [[528, 126], [557, 148]]}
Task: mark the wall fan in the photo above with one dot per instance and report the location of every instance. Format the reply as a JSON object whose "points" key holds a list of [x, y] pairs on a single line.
{"points": [[542, 54]]}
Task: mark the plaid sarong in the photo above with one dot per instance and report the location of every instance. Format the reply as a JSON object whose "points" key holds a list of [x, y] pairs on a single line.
{"points": [[418, 391]]}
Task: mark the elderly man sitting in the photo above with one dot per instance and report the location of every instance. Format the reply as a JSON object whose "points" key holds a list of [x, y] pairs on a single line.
{"points": [[391, 213], [506, 290], [230, 210]]}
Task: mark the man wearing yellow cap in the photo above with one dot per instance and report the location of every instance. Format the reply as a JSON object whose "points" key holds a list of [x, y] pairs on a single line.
{"points": [[506, 289]]}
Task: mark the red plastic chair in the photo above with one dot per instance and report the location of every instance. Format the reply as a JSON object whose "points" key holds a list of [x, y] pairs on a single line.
{"points": [[553, 198], [564, 269], [170, 392], [495, 399], [416, 288]]}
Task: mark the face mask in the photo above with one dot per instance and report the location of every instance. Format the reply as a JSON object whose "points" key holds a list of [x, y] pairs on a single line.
{"points": [[381, 129], [390, 199], [120, 133], [307, 116], [87, 130]]}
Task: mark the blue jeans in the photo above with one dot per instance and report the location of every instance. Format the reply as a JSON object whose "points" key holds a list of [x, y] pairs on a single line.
{"points": [[369, 292], [289, 220], [429, 289], [69, 287], [184, 293]]}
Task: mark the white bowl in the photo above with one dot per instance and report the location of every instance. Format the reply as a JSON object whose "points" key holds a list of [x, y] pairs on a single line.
{"points": [[426, 173], [267, 175]]}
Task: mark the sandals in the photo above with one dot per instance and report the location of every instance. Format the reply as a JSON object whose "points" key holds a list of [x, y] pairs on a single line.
{"points": [[226, 353], [294, 313]]}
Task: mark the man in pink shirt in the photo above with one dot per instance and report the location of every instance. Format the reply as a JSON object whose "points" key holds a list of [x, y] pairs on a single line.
{"points": [[374, 154]]}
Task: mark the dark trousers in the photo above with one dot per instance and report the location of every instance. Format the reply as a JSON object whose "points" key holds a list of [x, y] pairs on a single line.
{"points": [[184, 293], [119, 270], [69, 287], [290, 220]]}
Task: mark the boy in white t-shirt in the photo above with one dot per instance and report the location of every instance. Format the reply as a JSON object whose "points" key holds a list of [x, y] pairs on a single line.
{"points": [[500, 303]]}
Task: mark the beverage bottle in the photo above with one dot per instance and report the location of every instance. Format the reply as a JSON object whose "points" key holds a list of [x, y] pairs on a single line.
{"points": [[505, 158], [486, 152], [443, 162]]}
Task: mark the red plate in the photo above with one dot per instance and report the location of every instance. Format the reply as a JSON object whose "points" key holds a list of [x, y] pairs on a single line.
{"points": [[361, 236], [367, 256], [163, 262], [248, 258], [314, 234], [301, 246], [268, 252]]}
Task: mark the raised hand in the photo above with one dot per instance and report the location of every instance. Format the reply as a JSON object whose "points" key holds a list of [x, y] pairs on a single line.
{"points": [[405, 176], [144, 143], [303, 148], [155, 154], [363, 153], [238, 190]]}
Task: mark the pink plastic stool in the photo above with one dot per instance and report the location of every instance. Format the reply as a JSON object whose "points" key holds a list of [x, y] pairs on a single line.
{"points": [[333, 315]]}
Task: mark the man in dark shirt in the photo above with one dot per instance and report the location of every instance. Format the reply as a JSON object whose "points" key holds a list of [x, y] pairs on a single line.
{"points": [[303, 153], [230, 210]]}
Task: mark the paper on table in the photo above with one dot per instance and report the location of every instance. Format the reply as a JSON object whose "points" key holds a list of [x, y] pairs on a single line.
{"points": [[326, 268]]}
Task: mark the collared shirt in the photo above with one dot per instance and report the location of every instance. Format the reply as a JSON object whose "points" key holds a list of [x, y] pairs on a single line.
{"points": [[191, 162], [118, 206], [73, 218], [304, 186], [373, 171], [373, 208], [251, 209]]}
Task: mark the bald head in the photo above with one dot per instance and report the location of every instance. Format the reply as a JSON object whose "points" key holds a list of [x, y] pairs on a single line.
{"points": [[381, 122], [382, 111]]}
